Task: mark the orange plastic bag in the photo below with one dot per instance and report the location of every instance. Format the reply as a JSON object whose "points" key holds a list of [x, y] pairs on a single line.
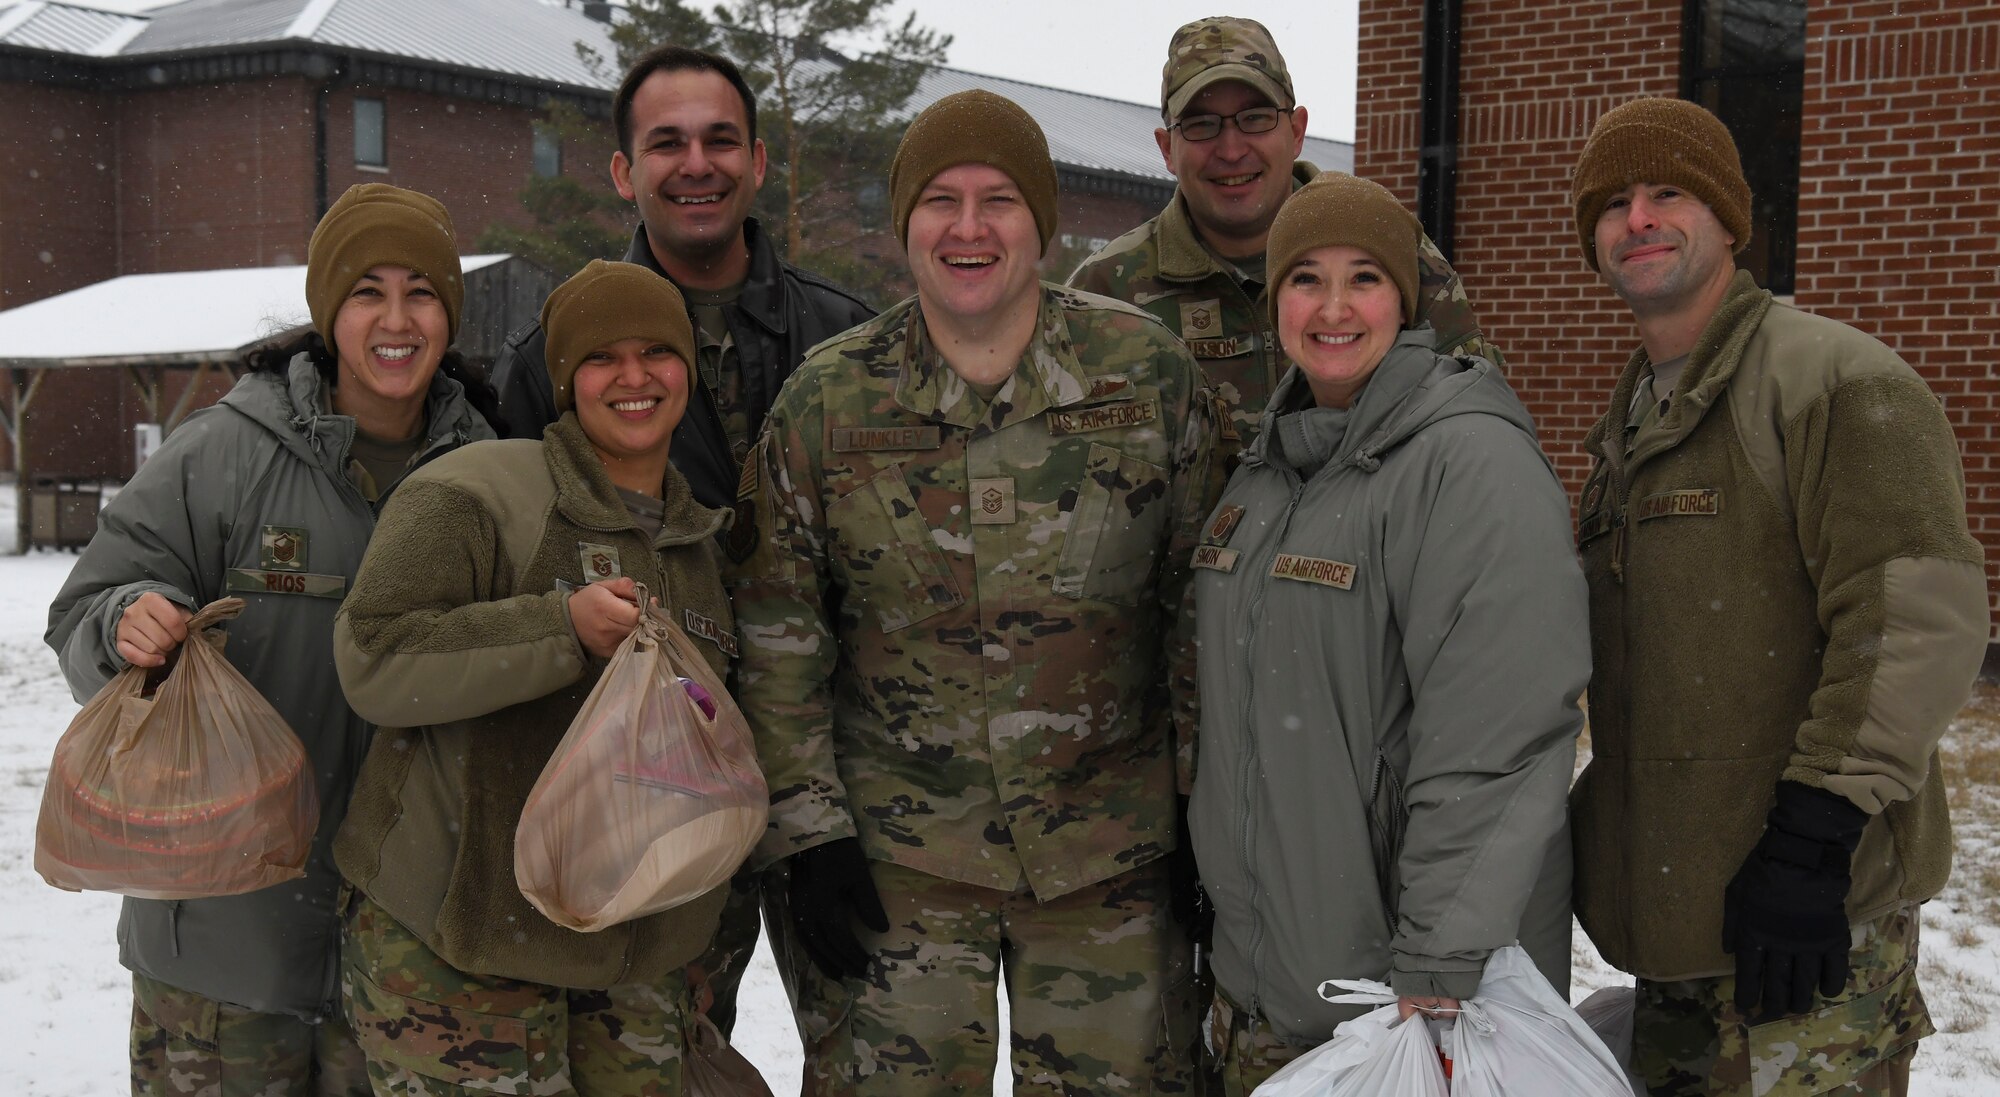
{"points": [[651, 799], [196, 790]]}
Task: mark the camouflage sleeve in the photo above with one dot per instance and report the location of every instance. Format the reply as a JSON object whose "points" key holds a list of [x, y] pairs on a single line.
{"points": [[1198, 483], [1093, 275], [778, 583], [1441, 300]]}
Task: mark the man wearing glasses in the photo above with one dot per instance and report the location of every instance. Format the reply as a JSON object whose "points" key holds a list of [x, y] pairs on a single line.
{"points": [[1232, 139]]}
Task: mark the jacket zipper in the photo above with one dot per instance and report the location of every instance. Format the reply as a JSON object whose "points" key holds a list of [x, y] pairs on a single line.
{"points": [[1255, 1004]]}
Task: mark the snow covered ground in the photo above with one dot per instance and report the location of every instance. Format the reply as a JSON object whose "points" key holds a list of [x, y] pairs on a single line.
{"points": [[65, 1003]]}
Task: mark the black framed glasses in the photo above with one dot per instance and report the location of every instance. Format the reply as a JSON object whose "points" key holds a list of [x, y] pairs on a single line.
{"points": [[1208, 127]]}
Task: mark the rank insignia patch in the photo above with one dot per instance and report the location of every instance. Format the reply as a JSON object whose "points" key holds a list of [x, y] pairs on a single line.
{"points": [[282, 548], [600, 562]]}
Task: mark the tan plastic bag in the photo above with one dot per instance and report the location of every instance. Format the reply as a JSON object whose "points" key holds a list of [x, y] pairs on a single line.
{"points": [[192, 791], [715, 1069], [649, 800]]}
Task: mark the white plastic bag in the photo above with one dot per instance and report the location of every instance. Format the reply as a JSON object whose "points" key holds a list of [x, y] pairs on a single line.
{"points": [[1609, 1014], [1518, 1038], [1374, 1055]]}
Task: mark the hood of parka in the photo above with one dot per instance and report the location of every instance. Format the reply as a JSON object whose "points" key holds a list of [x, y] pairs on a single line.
{"points": [[298, 409], [1413, 388]]}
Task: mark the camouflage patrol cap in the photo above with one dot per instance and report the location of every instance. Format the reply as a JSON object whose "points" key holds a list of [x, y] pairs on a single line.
{"points": [[1222, 47]]}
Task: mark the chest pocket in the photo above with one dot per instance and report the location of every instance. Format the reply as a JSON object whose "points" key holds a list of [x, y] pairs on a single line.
{"points": [[894, 570], [1114, 539]]}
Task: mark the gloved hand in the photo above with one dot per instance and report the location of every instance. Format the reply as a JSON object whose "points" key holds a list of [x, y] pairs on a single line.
{"points": [[1785, 915], [830, 885], [1189, 902]]}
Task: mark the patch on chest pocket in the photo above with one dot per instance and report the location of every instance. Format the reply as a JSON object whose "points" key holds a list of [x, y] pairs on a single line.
{"points": [[600, 562], [1310, 569], [1688, 502], [282, 548], [1130, 413], [1216, 557]]}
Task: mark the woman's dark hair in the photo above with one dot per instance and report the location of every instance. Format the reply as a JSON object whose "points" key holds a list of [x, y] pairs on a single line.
{"points": [[479, 392]]}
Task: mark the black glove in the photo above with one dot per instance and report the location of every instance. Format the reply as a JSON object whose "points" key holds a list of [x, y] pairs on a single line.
{"points": [[830, 885], [1184, 891], [1785, 913]]}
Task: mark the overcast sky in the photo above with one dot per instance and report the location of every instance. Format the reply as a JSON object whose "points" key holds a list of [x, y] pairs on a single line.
{"points": [[1116, 47]]}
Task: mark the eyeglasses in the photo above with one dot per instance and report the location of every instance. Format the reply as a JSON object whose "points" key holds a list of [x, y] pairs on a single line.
{"points": [[1208, 127]]}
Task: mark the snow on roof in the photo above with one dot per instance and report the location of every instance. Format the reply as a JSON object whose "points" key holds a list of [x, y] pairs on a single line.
{"points": [[183, 316]]}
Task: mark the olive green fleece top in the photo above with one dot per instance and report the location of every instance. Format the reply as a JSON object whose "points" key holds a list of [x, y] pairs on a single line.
{"points": [[1783, 587], [456, 639]]}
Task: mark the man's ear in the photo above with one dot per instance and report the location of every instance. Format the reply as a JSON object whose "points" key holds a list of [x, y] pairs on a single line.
{"points": [[621, 175], [1165, 139], [759, 160]]}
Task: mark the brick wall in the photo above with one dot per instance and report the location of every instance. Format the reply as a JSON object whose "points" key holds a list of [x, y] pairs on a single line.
{"points": [[1897, 234], [1898, 231], [58, 227]]}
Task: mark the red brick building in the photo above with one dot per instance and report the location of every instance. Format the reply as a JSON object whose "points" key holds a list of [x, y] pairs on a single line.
{"points": [[1870, 130], [213, 134]]}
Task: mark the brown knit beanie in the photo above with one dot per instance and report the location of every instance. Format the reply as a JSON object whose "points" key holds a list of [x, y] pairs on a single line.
{"points": [[1337, 209], [974, 127], [373, 224], [602, 304], [1662, 141]]}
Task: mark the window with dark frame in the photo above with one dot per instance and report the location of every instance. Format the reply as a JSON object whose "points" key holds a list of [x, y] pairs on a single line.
{"points": [[548, 154], [1745, 60], [371, 133]]}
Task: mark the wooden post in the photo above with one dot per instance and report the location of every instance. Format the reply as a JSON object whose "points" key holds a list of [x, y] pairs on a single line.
{"points": [[22, 384]]}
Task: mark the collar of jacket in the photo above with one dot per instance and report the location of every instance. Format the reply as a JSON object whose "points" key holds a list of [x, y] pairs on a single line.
{"points": [[763, 296], [1379, 418], [299, 410], [1048, 376], [1183, 257], [1711, 364], [586, 496]]}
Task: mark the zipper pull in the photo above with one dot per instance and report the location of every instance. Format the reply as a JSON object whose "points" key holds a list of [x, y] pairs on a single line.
{"points": [[1618, 547]]}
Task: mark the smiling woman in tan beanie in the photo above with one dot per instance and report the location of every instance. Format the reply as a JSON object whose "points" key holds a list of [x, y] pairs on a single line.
{"points": [[1393, 557], [500, 581], [271, 496]]}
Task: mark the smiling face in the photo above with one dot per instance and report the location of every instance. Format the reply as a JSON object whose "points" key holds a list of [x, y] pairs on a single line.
{"points": [[1234, 182], [692, 168], [973, 245], [388, 338], [629, 398], [1662, 249], [1338, 315]]}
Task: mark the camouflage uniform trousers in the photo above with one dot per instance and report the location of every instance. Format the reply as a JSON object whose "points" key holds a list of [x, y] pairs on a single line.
{"points": [[716, 975], [1244, 1050], [1689, 1040], [1098, 989], [430, 1030], [185, 1045]]}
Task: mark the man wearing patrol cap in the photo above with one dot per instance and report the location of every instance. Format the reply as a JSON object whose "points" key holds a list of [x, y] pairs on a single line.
{"points": [[1232, 135], [1786, 612], [962, 543]]}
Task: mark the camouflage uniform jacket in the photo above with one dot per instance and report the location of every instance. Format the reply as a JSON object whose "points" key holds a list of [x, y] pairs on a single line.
{"points": [[1782, 587], [957, 616], [1162, 267], [456, 639]]}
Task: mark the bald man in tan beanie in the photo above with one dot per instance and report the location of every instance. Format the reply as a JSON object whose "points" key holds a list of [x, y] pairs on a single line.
{"points": [[985, 501], [1786, 612]]}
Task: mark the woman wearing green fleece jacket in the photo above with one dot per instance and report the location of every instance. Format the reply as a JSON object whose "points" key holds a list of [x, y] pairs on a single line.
{"points": [[498, 584], [1393, 639]]}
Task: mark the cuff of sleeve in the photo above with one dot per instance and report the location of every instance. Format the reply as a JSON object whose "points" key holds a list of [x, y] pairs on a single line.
{"points": [[1409, 980], [133, 593], [787, 834]]}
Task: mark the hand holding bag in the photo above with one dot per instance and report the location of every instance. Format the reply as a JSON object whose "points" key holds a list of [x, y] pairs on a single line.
{"points": [[1374, 1055], [1518, 1038], [652, 798], [195, 790]]}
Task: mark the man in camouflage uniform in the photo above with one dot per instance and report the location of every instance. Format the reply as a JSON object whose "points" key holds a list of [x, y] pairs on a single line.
{"points": [[1232, 132], [963, 541], [1786, 611]]}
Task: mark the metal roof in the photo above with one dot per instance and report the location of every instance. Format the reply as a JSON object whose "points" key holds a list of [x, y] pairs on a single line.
{"points": [[535, 41]]}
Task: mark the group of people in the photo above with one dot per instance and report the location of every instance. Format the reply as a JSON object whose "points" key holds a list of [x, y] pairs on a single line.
{"points": [[1154, 647]]}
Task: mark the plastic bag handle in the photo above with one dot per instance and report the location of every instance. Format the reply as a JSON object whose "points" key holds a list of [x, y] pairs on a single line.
{"points": [[216, 612], [1360, 992]]}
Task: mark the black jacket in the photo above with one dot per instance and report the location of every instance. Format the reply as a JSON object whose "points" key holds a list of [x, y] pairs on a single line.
{"points": [[783, 312]]}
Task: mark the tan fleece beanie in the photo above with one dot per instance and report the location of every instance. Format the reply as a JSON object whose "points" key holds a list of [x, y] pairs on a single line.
{"points": [[1663, 141], [602, 304], [974, 127], [1337, 209], [373, 224]]}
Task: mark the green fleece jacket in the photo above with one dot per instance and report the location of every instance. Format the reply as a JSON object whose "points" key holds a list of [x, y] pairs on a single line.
{"points": [[457, 640], [1782, 588]]}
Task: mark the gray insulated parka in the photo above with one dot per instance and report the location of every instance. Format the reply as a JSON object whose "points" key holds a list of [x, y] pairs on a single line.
{"points": [[1393, 635], [249, 495]]}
